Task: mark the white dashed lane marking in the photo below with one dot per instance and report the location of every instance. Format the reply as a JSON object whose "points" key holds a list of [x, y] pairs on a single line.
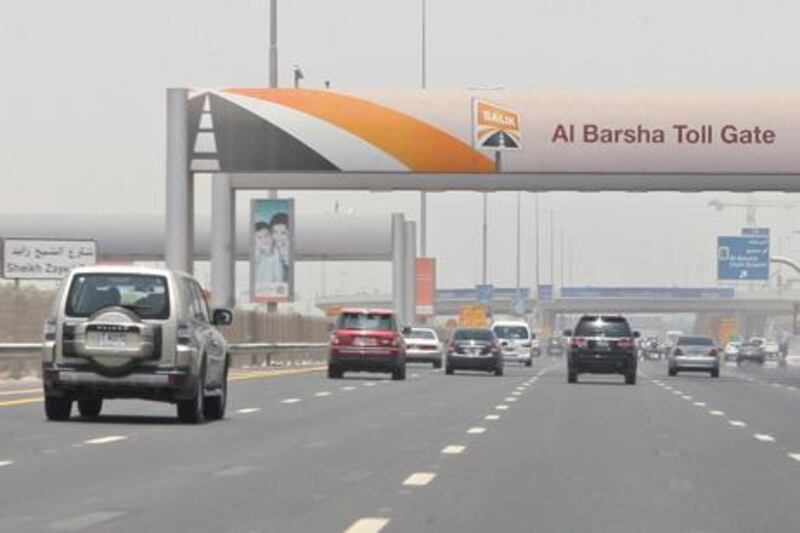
{"points": [[763, 437], [453, 449], [348, 389], [795, 456], [700, 404], [248, 410], [716, 413], [369, 384], [511, 399], [106, 440], [322, 394], [419, 479], [476, 430], [292, 400], [737, 423], [6, 463], [686, 397], [492, 417], [367, 525], [501, 407]]}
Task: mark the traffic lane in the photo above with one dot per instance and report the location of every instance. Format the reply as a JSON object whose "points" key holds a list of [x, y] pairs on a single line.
{"points": [[287, 462], [602, 456], [763, 407], [25, 433]]}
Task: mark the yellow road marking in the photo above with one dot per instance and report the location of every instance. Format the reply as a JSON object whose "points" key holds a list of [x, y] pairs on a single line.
{"points": [[235, 377], [20, 391], [22, 401], [274, 373]]}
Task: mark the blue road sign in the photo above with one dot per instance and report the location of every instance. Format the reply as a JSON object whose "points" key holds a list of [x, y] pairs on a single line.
{"points": [[545, 293], [743, 258], [484, 294]]}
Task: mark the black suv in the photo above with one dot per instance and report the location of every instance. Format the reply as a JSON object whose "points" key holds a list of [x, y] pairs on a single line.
{"points": [[602, 345]]}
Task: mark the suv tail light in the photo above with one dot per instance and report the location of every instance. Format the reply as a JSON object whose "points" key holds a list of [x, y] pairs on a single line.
{"points": [[578, 342], [184, 332], [625, 342], [495, 348], [49, 330], [451, 347]]}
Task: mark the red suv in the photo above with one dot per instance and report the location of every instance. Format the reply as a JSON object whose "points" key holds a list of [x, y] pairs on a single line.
{"points": [[367, 340]]}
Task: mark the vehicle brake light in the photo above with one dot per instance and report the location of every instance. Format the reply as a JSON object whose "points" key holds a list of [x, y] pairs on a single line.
{"points": [[335, 340], [625, 342], [49, 330], [184, 332], [578, 342], [387, 342]]}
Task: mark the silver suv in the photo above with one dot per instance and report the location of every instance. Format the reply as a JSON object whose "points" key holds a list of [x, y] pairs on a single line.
{"points": [[130, 332]]}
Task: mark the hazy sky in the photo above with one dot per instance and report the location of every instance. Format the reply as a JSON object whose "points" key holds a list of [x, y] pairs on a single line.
{"points": [[82, 108]]}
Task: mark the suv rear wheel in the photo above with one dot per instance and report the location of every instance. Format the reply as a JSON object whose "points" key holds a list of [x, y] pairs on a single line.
{"points": [[190, 411], [630, 377], [572, 376], [214, 406], [57, 408], [334, 372], [90, 407]]}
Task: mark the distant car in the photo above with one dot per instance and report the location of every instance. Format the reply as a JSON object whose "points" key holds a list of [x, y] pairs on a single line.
{"points": [[423, 346], [750, 352], [134, 332], [516, 340], [650, 348], [732, 350], [474, 349], [694, 354], [555, 347], [602, 344], [367, 340], [771, 351]]}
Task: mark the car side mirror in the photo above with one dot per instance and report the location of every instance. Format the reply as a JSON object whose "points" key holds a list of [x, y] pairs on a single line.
{"points": [[406, 330], [568, 333], [222, 317], [636, 334]]}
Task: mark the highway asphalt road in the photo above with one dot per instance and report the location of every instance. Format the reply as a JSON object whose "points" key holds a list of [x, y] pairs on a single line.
{"points": [[463, 453]]}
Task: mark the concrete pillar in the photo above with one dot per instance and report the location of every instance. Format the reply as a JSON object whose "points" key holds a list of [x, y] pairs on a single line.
{"points": [[410, 274], [398, 253], [223, 242], [179, 252]]}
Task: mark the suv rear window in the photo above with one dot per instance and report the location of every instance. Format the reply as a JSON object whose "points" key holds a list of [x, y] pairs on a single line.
{"points": [[511, 332], [695, 341], [145, 295], [374, 321], [473, 334], [603, 327]]}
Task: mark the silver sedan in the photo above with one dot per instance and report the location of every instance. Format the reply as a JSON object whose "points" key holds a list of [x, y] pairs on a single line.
{"points": [[694, 354]]}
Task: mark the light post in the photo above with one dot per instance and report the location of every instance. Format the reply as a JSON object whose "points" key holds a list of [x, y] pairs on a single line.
{"points": [[423, 196], [297, 75]]}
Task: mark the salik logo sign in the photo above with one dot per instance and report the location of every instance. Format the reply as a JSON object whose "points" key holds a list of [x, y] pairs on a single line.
{"points": [[494, 127]]}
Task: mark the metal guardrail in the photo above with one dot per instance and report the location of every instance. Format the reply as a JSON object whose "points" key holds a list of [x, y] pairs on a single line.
{"points": [[259, 353]]}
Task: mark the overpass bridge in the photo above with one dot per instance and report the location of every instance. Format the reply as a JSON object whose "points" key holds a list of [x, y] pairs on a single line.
{"points": [[751, 310]]}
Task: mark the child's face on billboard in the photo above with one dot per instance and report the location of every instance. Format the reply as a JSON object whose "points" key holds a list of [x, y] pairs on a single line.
{"points": [[280, 234], [263, 240]]}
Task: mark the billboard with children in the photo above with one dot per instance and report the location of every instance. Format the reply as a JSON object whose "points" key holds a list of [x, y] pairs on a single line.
{"points": [[271, 250]]}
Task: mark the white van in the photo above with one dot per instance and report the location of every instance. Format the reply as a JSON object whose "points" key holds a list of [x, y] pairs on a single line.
{"points": [[516, 340]]}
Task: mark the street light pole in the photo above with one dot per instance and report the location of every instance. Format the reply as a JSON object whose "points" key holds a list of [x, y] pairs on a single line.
{"points": [[423, 196], [552, 251], [519, 237], [272, 307], [536, 246], [273, 43]]}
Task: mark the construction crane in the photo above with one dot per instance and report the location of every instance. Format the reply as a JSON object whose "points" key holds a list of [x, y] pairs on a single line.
{"points": [[751, 205]]}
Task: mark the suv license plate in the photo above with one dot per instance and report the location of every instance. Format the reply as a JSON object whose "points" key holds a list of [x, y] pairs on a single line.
{"points": [[112, 339]]}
